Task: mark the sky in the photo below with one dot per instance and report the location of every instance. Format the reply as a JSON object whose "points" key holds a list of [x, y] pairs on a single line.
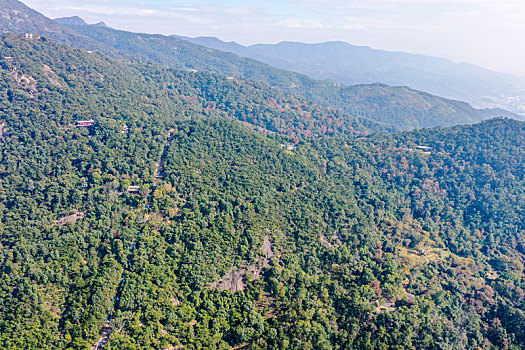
{"points": [[488, 33]]}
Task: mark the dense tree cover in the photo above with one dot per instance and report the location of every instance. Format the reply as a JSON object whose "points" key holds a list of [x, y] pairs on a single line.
{"points": [[333, 239], [401, 106], [99, 83]]}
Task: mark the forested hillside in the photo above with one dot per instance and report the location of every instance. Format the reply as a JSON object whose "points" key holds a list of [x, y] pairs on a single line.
{"points": [[261, 220], [402, 106]]}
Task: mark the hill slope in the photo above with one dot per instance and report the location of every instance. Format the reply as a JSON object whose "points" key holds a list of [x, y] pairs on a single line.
{"points": [[239, 237], [77, 21], [73, 20]]}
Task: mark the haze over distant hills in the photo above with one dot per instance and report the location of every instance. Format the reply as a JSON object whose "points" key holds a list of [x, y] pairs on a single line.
{"points": [[406, 108], [349, 64], [401, 108]]}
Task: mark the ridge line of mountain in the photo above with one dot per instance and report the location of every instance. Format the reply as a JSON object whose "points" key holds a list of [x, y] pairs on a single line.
{"points": [[397, 106], [352, 64]]}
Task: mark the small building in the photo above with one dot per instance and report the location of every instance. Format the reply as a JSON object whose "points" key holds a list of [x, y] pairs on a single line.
{"points": [[289, 147], [85, 123], [133, 189], [125, 129], [29, 36]]}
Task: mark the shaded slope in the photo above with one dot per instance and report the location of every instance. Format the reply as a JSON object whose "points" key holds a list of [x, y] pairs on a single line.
{"points": [[405, 107], [411, 109], [180, 54]]}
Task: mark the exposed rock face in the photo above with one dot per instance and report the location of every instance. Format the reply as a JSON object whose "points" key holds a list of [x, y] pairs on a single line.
{"points": [[332, 243], [267, 249], [69, 219], [234, 280], [2, 130], [51, 76]]}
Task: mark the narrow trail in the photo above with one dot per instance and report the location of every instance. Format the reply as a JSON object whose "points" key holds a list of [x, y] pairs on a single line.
{"points": [[107, 330], [108, 326], [160, 163]]}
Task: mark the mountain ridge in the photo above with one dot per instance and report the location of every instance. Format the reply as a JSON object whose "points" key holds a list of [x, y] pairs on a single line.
{"points": [[78, 21], [19, 18], [331, 60], [180, 54], [159, 49], [73, 20]]}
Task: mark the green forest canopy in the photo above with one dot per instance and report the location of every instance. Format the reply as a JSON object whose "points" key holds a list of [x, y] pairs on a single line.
{"points": [[262, 220]]}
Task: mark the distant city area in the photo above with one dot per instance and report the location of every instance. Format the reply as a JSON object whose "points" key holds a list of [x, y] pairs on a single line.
{"points": [[515, 104]]}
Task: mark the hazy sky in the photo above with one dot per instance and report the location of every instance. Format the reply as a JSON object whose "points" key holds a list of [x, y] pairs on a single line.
{"points": [[490, 33]]}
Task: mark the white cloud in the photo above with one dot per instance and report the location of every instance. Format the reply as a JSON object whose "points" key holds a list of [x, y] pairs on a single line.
{"points": [[112, 10], [297, 23]]}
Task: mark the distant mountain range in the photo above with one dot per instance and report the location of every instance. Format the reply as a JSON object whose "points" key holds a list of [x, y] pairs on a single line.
{"points": [[404, 113], [401, 108], [349, 64]]}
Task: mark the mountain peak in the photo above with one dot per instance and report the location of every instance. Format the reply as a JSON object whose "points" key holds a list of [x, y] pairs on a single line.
{"points": [[17, 18], [73, 20], [77, 21], [101, 24]]}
